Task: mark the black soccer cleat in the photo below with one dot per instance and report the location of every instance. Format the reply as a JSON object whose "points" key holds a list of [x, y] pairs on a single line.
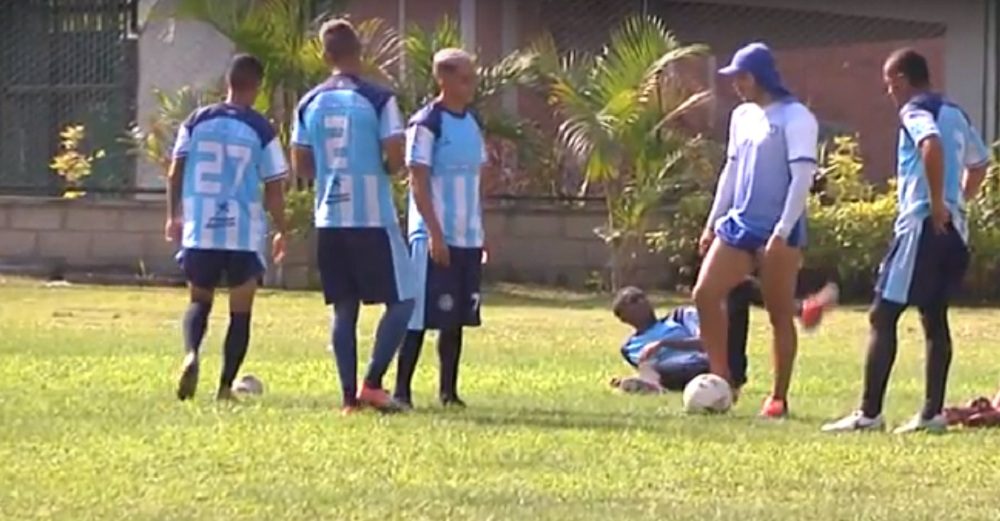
{"points": [[187, 384], [452, 402]]}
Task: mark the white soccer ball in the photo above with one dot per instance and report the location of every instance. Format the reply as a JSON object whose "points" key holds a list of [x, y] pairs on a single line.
{"points": [[707, 393], [249, 384]]}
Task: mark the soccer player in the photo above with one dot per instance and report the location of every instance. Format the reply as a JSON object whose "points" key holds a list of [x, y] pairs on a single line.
{"points": [[758, 215], [348, 135], [445, 152], [942, 161], [668, 352], [222, 155]]}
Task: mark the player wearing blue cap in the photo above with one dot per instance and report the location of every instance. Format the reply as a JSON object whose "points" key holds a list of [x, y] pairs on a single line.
{"points": [[942, 162], [758, 216]]}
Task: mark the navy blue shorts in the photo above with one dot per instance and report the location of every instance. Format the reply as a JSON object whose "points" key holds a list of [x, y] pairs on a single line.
{"points": [[209, 269], [369, 265], [448, 297], [922, 267], [734, 234]]}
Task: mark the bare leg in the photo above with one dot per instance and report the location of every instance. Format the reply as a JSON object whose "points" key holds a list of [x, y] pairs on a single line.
{"points": [[779, 276], [722, 270]]}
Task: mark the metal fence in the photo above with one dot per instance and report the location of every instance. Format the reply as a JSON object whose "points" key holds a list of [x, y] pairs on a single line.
{"points": [[65, 62]]}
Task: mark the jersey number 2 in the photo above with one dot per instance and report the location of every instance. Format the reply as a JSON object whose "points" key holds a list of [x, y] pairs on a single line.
{"points": [[336, 127], [205, 172]]}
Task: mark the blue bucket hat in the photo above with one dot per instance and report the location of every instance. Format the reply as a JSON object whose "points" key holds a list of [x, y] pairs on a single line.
{"points": [[756, 59]]}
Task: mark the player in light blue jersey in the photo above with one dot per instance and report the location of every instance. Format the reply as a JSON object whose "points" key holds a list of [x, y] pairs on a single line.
{"points": [[942, 162], [758, 215], [223, 153], [348, 135], [445, 153]]}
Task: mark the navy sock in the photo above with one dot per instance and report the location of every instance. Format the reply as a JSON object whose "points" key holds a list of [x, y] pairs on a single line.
{"points": [[237, 340], [409, 354], [194, 325], [388, 336], [345, 347], [450, 353]]}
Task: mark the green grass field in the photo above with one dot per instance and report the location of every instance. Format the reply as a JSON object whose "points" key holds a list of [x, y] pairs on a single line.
{"points": [[89, 428]]}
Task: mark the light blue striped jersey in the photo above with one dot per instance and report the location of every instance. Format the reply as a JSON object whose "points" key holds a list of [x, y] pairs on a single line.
{"points": [[924, 116], [678, 326], [229, 152], [344, 121], [452, 146], [763, 142]]}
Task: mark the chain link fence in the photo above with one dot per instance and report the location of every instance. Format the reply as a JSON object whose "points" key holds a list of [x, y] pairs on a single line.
{"points": [[833, 62], [65, 62]]}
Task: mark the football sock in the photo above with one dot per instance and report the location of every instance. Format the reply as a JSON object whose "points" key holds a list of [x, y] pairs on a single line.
{"points": [[407, 365], [194, 325], [388, 336], [345, 347], [738, 310], [450, 352], [937, 336], [881, 355], [237, 340]]}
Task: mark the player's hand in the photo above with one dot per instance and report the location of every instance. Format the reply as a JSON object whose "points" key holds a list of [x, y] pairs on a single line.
{"points": [[648, 351], [940, 217], [486, 252], [705, 242], [173, 230], [278, 247], [439, 251]]}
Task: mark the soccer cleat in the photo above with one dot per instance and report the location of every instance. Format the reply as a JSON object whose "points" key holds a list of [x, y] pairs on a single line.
{"points": [[855, 422], [936, 425], [377, 399], [637, 385], [452, 402], [405, 403], [226, 394], [187, 384], [774, 409], [816, 305]]}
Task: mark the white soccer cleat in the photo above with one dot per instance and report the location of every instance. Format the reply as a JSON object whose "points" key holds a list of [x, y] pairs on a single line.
{"points": [[936, 425], [855, 422]]}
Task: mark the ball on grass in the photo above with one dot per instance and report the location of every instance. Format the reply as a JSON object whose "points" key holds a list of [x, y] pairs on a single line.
{"points": [[707, 393], [249, 384]]}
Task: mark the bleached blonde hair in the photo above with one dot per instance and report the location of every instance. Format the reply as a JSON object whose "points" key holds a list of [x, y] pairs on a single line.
{"points": [[446, 59]]}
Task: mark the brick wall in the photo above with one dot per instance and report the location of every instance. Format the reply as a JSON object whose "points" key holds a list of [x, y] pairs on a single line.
{"points": [[530, 243]]}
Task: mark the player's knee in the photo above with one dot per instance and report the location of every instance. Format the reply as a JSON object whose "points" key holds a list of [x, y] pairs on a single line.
{"points": [[403, 308], [705, 295], [883, 315]]}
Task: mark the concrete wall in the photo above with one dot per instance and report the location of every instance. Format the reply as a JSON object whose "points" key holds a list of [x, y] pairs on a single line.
{"points": [[533, 244]]}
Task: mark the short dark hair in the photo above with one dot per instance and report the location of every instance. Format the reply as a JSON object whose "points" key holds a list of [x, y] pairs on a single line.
{"points": [[625, 296], [340, 40], [912, 65], [245, 72]]}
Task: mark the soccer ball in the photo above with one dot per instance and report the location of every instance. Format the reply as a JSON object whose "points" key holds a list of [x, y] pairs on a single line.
{"points": [[249, 384], [707, 393]]}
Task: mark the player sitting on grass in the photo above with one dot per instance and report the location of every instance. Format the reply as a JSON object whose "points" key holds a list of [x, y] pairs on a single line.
{"points": [[224, 153], [668, 353]]}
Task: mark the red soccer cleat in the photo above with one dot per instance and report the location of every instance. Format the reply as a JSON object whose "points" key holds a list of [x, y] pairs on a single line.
{"points": [[815, 306], [378, 399], [774, 408]]}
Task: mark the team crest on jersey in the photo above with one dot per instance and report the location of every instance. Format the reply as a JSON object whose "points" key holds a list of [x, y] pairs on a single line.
{"points": [[446, 302], [221, 219]]}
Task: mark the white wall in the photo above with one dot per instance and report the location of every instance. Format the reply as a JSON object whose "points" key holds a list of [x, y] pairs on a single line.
{"points": [[174, 53]]}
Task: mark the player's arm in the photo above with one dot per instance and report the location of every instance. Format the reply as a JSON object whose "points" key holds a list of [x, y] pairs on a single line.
{"points": [[274, 171], [726, 189], [976, 160], [419, 151], [393, 137], [175, 180], [801, 136], [303, 162], [921, 126]]}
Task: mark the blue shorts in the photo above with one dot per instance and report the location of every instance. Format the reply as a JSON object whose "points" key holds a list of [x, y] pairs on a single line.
{"points": [[732, 233], [448, 297], [922, 267], [368, 265], [209, 269]]}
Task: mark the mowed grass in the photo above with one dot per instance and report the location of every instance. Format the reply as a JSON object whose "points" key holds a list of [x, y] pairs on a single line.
{"points": [[89, 428]]}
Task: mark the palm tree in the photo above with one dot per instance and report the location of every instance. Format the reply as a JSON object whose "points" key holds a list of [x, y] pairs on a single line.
{"points": [[619, 110]]}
